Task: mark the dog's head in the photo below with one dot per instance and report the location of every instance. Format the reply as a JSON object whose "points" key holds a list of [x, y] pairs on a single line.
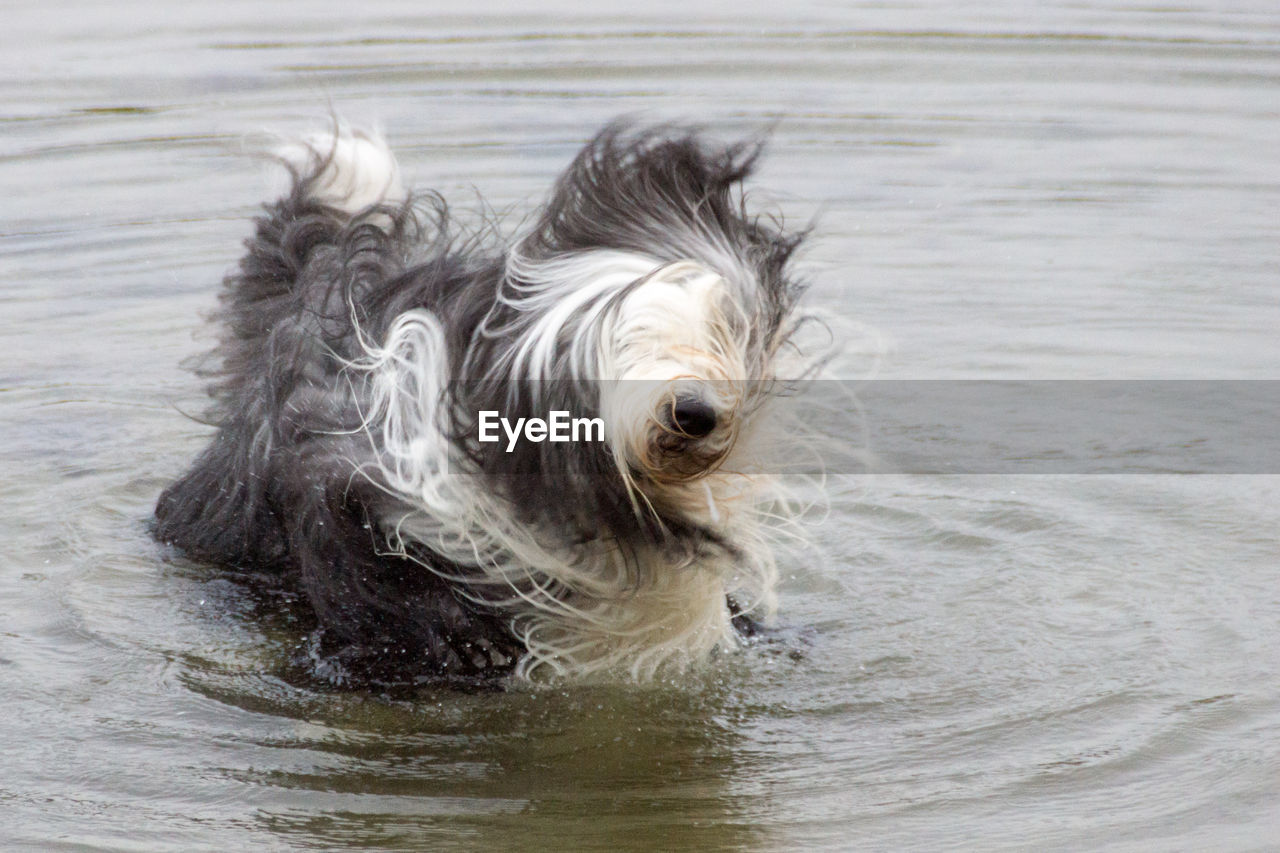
{"points": [[645, 295], [679, 380]]}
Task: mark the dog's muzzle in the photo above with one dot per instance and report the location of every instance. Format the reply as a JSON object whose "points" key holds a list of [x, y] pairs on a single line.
{"points": [[693, 417], [689, 436]]}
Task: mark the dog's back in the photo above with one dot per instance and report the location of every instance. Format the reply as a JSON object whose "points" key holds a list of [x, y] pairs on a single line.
{"points": [[281, 311], [277, 489]]}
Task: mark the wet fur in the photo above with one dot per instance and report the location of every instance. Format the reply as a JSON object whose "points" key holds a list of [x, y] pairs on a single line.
{"points": [[364, 330]]}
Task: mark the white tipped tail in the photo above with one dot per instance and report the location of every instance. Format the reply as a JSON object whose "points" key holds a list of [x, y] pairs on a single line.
{"points": [[354, 169]]}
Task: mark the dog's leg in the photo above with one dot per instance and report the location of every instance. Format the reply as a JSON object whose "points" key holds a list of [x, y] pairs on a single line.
{"points": [[385, 618], [744, 623]]}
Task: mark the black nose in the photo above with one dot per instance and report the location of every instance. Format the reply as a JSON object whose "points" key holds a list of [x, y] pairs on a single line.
{"points": [[693, 417]]}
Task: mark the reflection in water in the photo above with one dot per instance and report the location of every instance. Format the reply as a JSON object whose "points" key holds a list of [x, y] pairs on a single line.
{"points": [[605, 766]]}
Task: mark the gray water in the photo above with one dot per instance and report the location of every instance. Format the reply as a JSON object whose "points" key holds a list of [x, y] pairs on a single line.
{"points": [[1087, 190]]}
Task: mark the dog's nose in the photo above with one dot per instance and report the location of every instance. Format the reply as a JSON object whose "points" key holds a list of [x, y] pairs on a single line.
{"points": [[693, 417]]}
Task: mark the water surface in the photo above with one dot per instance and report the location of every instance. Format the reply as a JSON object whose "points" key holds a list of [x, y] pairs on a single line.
{"points": [[1088, 191]]}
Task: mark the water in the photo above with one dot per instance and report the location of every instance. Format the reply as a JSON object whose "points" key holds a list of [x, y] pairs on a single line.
{"points": [[1083, 191]]}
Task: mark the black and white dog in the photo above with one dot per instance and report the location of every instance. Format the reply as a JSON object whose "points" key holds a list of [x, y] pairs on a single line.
{"points": [[372, 348]]}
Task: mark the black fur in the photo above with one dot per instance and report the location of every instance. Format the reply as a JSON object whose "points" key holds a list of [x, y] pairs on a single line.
{"points": [[284, 486]]}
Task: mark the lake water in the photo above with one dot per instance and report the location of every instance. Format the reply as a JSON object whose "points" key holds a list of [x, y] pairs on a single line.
{"points": [[996, 661]]}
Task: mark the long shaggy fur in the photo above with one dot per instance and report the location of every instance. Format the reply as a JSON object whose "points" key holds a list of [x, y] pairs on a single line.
{"points": [[364, 334]]}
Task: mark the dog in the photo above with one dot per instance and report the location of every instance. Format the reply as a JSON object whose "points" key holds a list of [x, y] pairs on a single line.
{"points": [[375, 355]]}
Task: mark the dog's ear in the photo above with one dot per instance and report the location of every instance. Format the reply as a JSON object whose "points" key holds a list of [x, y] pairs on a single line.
{"points": [[670, 194], [663, 191]]}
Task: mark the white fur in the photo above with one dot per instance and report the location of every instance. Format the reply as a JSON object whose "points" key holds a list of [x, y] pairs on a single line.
{"points": [[575, 606], [680, 617], [355, 169]]}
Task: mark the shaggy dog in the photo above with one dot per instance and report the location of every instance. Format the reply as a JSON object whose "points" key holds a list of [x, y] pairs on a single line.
{"points": [[372, 350]]}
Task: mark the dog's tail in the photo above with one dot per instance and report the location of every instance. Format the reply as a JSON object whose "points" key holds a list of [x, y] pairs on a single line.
{"points": [[341, 179], [287, 312], [347, 171]]}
